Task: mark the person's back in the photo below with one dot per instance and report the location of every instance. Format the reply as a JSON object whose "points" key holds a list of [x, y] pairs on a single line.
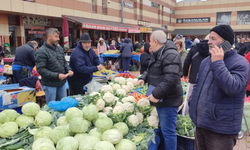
{"points": [[145, 58], [25, 55], [188, 43], [126, 48]]}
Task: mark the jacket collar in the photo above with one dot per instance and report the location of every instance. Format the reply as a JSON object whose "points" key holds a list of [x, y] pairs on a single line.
{"points": [[49, 46], [31, 45]]}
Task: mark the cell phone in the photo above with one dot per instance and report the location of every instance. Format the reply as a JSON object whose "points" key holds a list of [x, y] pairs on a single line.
{"points": [[225, 46]]}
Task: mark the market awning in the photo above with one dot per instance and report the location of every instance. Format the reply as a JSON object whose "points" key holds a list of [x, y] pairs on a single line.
{"points": [[102, 24], [191, 31]]}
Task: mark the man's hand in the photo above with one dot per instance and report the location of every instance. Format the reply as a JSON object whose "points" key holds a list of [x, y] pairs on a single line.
{"points": [[62, 76], [185, 78], [152, 99], [140, 82], [70, 73], [99, 67], [216, 54]]}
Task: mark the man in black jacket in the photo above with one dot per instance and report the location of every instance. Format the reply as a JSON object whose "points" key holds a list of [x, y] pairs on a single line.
{"points": [[163, 73], [242, 47], [118, 43], [24, 61], [52, 67], [145, 58], [193, 60]]}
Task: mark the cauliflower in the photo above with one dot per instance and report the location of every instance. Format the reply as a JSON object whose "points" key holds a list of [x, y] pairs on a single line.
{"points": [[153, 121], [139, 116], [132, 121], [107, 110], [116, 87], [111, 84], [126, 88], [109, 98], [143, 102], [129, 107], [116, 98], [121, 92], [128, 99], [130, 85], [135, 80], [118, 104], [107, 88], [118, 109], [154, 112], [100, 104], [95, 93], [130, 80], [120, 80]]}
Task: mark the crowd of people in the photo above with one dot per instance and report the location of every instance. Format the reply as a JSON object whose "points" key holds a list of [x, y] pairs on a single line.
{"points": [[218, 78]]}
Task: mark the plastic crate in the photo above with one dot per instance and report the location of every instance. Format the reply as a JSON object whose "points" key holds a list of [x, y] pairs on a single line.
{"points": [[185, 144]]}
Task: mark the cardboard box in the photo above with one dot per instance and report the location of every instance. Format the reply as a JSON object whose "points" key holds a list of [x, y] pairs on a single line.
{"points": [[13, 98]]}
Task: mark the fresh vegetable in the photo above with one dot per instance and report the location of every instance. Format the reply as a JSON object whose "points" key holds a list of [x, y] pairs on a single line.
{"points": [[31, 109], [80, 136], [138, 96], [78, 125], [120, 80], [67, 143], [144, 106], [43, 118], [113, 135], [43, 142], [122, 127], [126, 75], [107, 89], [116, 87], [88, 143], [8, 115], [42, 132], [153, 121], [23, 121], [129, 107], [125, 144], [95, 132], [129, 99], [104, 124], [126, 88], [100, 104], [121, 92], [184, 126], [90, 112], [62, 121], [132, 121], [107, 110], [154, 112], [104, 145], [109, 99], [59, 133], [73, 112], [139, 116], [8, 129]]}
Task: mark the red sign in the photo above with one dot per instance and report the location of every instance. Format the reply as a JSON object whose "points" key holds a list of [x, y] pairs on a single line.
{"points": [[134, 31], [103, 27], [37, 32], [38, 28]]}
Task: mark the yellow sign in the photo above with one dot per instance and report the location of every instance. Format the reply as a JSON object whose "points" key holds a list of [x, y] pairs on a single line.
{"points": [[145, 30]]}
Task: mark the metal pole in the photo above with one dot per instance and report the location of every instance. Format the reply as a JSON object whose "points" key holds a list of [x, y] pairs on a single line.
{"points": [[122, 11]]}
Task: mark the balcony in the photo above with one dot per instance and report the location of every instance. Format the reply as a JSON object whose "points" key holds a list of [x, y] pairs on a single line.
{"points": [[94, 8], [104, 10]]}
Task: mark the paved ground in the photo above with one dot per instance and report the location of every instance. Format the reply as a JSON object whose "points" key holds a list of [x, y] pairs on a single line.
{"points": [[243, 144]]}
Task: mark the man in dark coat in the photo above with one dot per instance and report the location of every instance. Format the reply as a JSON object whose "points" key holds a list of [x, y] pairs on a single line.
{"points": [[126, 52], [118, 43], [145, 58], [84, 62], [192, 63], [137, 46], [52, 67], [217, 101], [163, 76], [24, 61], [242, 47]]}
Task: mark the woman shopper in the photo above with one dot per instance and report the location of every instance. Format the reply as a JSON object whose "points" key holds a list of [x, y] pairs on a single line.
{"points": [[126, 51], [181, 50], [112, 46], [102, 48], [248, 87]]}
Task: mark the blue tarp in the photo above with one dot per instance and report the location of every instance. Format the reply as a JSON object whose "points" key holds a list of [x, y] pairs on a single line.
{"points": [[134, 57], [9, 86]]}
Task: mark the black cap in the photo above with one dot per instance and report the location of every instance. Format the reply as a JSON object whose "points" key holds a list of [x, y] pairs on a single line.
{"points": [[226, 32], [85, 38]]}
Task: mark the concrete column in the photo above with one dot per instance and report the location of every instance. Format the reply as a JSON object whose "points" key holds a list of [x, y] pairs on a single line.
{"points": [[4, 29], [20, 32]]}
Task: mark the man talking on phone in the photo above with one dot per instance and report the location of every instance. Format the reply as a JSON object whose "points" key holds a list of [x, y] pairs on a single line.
{"points": [[217, 101]]}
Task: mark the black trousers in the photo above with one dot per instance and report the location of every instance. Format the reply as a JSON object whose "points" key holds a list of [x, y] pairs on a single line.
{"points": [[248, 93], [17, 75], [209, 140], [76, 88]]}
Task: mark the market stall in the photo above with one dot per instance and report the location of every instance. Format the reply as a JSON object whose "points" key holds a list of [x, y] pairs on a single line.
{"points": [[116, 116], [134, 57]]}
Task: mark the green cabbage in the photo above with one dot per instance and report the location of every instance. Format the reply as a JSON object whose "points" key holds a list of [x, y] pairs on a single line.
{"points": [[95, 132], [23, 121], [72, 113], [43, 141], [67, 143], [59, 133], [113, 135], [62, 121], [31, 109], [8, 115], [122, 127], [43, 118], [104, 145], [104, 124], [79, 125], [45, 147], [42, 132], [88, 143], [80, 136], [8, 129], [125, 144], [90, 112]]}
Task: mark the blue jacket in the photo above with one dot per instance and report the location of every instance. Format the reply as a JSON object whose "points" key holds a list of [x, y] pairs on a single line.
{"points": [[188, 43], [217, 100], [25, 55], [83, 64], [126, 48]]}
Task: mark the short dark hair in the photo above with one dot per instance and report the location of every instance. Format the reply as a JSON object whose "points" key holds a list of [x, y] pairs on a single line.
{"points": [[50, 31]]}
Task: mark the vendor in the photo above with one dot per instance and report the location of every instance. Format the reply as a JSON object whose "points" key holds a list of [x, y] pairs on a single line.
{"points": [[84, 62], [24, 61]]}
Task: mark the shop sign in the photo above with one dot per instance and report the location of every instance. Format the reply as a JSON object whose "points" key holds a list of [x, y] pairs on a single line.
{"points": [[143, 23], [37, 28], [37, 32], [128, 5], [223, 18], [145, 30], [102, 27], [243, 18], [193, 20], [119, 29], [155, 5], [134, 31], [36, 21]]}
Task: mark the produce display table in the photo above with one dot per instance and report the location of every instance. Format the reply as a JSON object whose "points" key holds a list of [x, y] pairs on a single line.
{"points": [[134, 57]]}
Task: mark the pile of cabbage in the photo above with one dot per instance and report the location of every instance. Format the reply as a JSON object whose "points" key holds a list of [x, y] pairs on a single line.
{"points": [[108, 120]]}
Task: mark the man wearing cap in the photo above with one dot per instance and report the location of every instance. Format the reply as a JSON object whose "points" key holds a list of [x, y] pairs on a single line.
{"points": [[217, 101], [84, 62]]}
